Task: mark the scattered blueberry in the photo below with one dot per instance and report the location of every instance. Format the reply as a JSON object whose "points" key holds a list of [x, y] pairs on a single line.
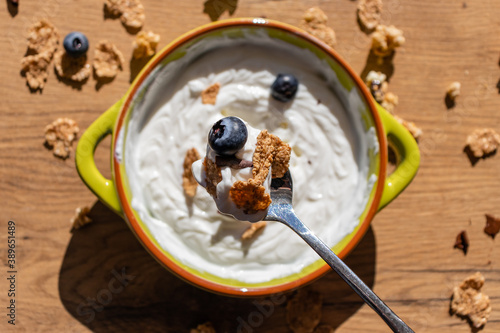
{"points": [[227, 136], [284, 87], [76, 44]]}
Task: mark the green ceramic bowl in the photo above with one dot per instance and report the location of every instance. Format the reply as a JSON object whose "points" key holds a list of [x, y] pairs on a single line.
{"points": [[116, 192]]}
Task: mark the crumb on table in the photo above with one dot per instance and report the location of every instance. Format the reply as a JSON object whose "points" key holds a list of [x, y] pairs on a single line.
{"points": [[492, 225], [71, 68], [314, 21], [453, 90], [385, 39], [145, 44], [468, 301], [43, 41], [80, 218], [483, 142], [108, 60], [369, 13], [35, 68], [376, 82], [415, 131], [462, 241], [130, 12], [43, 37], [59, 136]]}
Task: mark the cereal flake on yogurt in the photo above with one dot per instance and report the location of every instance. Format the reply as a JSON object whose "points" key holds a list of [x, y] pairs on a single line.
{"points": [[209, 95], [253, 229], [189, 183]]}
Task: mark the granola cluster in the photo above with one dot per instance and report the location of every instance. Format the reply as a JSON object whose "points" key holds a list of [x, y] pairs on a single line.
{"points": [[468, 301], [43, 37], [145, 44], [453, 90], [314, 22], [130, 12], [369, 13], [71, 68], [379, 87], [81, 218], [385, 39], [43, 40], [60, 135], [108, 60], [483, 142], [415, 131], [270, 152]]}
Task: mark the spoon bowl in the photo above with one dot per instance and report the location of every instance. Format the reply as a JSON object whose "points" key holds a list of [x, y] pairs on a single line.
{"points": [[281, 210]]}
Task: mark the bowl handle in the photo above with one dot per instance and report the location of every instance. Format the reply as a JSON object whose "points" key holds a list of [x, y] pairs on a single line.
{"points": [[103, 188], [406, 148]]}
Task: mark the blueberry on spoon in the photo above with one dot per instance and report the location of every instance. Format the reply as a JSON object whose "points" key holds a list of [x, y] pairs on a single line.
{"points": [[76, 44], [284, 87], [227, 136]]}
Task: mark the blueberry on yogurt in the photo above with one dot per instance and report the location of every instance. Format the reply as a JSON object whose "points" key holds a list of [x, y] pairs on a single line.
{"points": [[284, 87], [227, 136], [76, 44]]}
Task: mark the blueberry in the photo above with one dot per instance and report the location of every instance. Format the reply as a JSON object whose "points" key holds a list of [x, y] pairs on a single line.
{"points": [[227, 136], [284, 87], [76, 44]]}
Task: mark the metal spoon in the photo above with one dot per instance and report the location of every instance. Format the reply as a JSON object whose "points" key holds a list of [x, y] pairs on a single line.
{"points": [[281, 210]]}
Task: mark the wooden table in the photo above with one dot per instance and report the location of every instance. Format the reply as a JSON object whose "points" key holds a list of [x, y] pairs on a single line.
{"points": [[407, 256]]}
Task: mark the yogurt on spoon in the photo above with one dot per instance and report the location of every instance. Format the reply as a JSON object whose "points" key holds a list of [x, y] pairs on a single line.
{"points": [[237, 169]]}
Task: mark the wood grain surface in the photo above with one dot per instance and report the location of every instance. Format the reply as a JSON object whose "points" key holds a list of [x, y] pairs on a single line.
{"points": [[407, 255]]}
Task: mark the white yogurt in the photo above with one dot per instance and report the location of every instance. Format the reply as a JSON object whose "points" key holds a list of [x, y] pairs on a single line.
{"points": [[328, 162]]}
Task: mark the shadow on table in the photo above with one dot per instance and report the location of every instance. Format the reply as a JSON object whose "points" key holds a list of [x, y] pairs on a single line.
{"points": [[110, 283]]}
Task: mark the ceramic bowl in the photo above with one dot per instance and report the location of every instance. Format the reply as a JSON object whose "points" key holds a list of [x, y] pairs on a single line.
{"points": [[116, 192]]}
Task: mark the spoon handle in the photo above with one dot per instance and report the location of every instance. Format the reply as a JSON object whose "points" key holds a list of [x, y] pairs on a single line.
{"points": [[288, 217]]}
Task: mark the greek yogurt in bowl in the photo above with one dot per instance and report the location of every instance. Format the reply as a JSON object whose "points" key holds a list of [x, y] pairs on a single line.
{"points": [[330, 159]]}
